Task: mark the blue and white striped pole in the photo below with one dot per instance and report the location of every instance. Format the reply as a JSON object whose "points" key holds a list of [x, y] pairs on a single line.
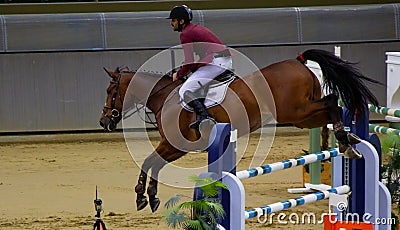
{"points": [[301, 200], [302, 160]]}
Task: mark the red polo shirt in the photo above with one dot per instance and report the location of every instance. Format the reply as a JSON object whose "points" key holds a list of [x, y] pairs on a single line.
{"points": [[200, 40]]}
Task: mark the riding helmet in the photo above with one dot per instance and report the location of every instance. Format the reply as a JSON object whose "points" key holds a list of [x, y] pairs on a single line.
{"points": [[181, 12]]}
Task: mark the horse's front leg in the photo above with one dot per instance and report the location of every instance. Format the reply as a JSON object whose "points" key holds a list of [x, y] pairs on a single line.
{"points": [[164, 158], [140, 188], [153, 186], [157, 165]]}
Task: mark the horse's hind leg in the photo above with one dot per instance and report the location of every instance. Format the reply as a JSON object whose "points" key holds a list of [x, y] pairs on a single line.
{"points": [[345, 139], [324, 138]]}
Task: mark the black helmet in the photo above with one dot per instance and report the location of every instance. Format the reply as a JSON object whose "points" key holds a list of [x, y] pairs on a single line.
{"points": [[181, 12]]}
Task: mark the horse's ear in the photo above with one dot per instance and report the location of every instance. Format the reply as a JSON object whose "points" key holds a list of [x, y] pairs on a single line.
{"points": [[109, 72]]}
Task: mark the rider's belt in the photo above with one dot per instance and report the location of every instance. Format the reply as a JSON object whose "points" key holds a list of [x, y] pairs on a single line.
{"points": [[224, 53]]}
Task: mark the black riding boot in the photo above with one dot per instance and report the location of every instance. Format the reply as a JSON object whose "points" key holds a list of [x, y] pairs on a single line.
{"points": [[199, 108]]}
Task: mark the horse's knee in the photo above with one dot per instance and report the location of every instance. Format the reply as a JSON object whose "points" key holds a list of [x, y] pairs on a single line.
{"points": [[141, 186], [152, 189]]}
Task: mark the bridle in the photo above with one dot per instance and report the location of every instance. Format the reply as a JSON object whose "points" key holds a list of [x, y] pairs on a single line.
{"points": [[116, 95], [114, 112]]}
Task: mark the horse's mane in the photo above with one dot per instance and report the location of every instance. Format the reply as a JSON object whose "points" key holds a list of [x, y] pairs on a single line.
{"points": [[151, 73], [154, 74]]}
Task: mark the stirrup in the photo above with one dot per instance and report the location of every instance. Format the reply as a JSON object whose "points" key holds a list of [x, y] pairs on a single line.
{"points": [[200, 122]]}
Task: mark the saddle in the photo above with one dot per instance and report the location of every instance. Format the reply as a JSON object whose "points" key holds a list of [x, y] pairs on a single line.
{"points": [[225, 76], [214, 92]]}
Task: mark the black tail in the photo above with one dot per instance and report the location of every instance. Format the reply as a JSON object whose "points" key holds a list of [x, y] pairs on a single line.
{"points": [[343, 79]]}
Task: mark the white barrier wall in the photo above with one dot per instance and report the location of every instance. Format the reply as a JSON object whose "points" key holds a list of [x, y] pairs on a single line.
{"points": [[393, 83]]}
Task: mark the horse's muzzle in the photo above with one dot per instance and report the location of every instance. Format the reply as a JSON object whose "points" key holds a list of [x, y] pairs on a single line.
{"points": [[108, 124]]}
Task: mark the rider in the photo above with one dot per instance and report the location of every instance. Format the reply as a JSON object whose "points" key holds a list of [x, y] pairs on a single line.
{"points": [[214, 59]]}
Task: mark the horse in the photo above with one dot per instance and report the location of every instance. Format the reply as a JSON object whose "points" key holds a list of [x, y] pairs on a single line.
{"points": [[295, 89]]}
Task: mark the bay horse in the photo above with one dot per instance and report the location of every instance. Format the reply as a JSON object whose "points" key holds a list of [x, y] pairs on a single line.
{"points": [[296, 93]]}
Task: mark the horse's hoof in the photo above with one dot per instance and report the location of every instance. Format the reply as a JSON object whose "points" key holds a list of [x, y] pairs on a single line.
{"points": [[352, 153], [154, 203], [141, 203], [353, 139]]}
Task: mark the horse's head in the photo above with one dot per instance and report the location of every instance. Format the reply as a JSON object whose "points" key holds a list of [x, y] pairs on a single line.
{"points": [[116, 90]]}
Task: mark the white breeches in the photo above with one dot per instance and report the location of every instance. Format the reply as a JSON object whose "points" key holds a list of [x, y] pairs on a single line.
{"points": [[205, 74]]}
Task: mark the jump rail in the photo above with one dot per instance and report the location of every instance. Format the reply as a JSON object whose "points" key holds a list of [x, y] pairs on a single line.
{"points": [[383, 129], [384, 110], [301, 200], [291, 163]]}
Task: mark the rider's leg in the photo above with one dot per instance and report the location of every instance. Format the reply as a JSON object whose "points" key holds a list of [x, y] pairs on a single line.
{"points": [[198, 106], [192, 94], [205, 75], [191, 88]]}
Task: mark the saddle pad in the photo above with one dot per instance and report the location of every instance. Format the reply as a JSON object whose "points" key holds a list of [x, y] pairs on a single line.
{"points": [[215, 96]]}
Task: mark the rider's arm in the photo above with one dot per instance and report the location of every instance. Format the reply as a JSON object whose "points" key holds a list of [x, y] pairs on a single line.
{"points": [[187, 45]]}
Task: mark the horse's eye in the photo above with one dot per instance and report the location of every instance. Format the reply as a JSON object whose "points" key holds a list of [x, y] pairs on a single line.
{"points": [[108, 91]]}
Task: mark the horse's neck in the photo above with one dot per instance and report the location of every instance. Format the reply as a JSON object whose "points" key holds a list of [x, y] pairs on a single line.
{"points": [[161, 91], [156, 89]]}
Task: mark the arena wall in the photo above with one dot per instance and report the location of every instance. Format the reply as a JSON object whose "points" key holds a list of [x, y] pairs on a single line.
{"points": [[52, 64]]}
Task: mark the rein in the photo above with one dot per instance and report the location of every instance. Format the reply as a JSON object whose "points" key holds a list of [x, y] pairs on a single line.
{"points": [[137, 108]]}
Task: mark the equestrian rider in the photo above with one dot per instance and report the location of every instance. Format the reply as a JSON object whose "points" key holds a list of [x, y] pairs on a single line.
{"points": [[214, 59]]}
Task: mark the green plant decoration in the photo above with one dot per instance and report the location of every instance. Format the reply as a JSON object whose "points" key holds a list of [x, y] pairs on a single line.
{"points": [[390, 144], [201, 214], [391, 170]]}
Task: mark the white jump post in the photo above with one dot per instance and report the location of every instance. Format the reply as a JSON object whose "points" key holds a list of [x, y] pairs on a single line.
{"points": [[393, 85]]}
